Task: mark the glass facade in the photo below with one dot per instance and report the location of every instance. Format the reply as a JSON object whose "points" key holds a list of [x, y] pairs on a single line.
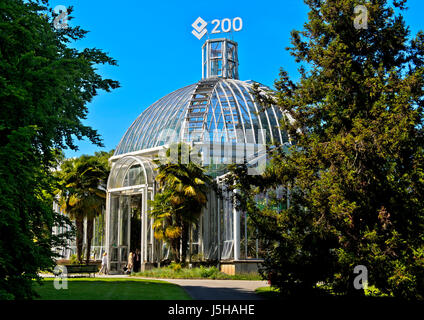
{"points": [[218, 110], [228, 113]]}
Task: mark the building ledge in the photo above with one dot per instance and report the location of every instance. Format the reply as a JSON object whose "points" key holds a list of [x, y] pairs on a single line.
{"points": [[233, 267]]}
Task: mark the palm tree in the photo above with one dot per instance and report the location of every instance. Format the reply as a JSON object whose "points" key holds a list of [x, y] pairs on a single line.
{"points": [[165, 225], [82, 194], [180, 200]]}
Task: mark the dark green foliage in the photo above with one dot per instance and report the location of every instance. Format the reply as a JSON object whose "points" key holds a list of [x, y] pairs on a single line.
{"points": [[356, 173], [44, 89]]}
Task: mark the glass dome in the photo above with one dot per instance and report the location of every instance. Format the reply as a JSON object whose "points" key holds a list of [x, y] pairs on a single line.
{"points": [[210, 108], [224, 124]]}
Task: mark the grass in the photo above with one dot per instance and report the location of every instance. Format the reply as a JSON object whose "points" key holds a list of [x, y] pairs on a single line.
{"points": [[272, 293], [111, 289], [195, 273], [268, 293], [337, 304]]}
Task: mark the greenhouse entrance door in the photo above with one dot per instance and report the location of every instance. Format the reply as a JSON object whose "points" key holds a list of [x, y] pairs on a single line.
{"points": [[135, 229], [141, 238], [119, 231], [130, 229]]}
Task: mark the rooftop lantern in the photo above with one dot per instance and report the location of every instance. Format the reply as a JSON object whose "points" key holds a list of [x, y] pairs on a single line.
{"points": [[220, 59]]}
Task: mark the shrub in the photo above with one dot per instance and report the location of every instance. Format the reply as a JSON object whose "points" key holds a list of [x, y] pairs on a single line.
{"points": [[211, 272], [73, 259], [175, 271], [175, 266]]}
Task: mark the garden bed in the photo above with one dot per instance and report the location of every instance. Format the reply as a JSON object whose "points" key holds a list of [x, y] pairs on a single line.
{"points": [[177, 272]]}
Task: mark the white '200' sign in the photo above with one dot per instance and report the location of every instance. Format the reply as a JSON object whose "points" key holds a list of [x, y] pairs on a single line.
{"points": [[227, 25]]}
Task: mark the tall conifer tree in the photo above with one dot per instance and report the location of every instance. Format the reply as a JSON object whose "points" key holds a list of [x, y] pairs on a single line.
{"points": [[355, 174]]}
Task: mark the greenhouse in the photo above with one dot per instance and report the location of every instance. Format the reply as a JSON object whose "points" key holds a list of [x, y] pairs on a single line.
{"points": [[220, 119]]}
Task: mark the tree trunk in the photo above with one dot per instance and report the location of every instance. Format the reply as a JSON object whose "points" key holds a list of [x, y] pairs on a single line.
{"points": [[184, 240], [79, 222], [90, 222], [178, 222], [175, 247]]}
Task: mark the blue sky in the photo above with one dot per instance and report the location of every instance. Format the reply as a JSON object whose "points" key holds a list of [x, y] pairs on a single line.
{"points": [[157, 54]]}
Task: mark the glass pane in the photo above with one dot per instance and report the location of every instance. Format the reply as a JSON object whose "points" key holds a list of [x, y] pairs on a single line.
{"points": [[216, 50], [113, 267], [114, 221], [136, 176], [123, 241], [124, 254], [231, 51], [114, 254], [231, 70], [165, 113], [216, 67]]}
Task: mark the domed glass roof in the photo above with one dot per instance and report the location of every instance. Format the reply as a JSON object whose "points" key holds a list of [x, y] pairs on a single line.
{"points": [[200, 111]]}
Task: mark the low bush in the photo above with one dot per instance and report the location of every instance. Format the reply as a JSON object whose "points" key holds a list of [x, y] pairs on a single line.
{"points": [[73, 259], [175, 266], [211, 272], [175, 271]]}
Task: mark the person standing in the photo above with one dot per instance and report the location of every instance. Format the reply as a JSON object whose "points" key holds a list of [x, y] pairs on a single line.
{"points": [[104, 264], [130, 264]]}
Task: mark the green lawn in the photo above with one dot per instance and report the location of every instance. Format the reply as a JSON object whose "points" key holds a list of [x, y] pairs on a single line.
{"points": [[269, 293], [111, 289], [372, 293]]}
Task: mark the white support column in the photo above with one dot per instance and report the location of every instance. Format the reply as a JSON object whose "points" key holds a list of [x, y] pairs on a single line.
{"points": [[119, 222], [84, 238], [224, 60], [203, 62], [145, 224], [207, 59], [129, 224], [200, 235], [246, 236], [107, 227], [236, 230], [219, 226], [142, 229], [152, 238]]}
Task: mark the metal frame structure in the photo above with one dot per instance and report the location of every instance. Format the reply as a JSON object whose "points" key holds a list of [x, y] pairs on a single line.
{"points": [[218, 110], [220, 59], [130, 177], [225, 107]]}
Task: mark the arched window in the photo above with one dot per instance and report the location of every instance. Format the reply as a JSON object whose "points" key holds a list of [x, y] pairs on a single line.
{"points": [[131, 172]]}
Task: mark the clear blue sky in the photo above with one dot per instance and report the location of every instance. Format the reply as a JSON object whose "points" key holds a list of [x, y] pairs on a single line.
{"points": [[157, 54]]}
